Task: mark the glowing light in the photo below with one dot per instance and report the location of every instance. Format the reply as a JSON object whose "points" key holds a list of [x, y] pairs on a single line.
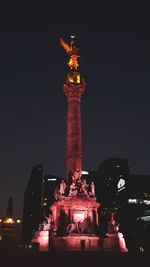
{"points": [[133, 201], [74, 77], [144, 218], [141, 249], [121, 185], [121, 188], [147, 202], [9, 220], [43, 240], [78, 217], [18, 221], [138, 201], [85, 172], [51, 179], [0, 220]]}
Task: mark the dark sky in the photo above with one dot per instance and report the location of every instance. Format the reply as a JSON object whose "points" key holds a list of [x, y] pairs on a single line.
{"points": [[115, 62]]}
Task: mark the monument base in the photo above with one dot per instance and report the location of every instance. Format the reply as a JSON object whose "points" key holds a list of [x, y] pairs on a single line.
{"points": [[76, 243], [114, 242], [111, 243], [41, 238]]}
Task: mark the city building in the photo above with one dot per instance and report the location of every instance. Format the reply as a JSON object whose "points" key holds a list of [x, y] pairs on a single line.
{"points": [[32, 211], [135, 214], [50, 184], [127, 195], [111, 179], [10, 229]]}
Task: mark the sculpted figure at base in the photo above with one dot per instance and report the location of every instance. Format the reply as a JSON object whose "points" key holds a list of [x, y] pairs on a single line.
{"points": [[113, 225], [76, 176], [48, 223], [84, 187], [73, 189], [62, 187], [79, 186], [92, 189], [72, 228]]}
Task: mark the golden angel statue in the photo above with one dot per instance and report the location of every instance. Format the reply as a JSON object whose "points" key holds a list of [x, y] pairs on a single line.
{"points": [[72, 51]]}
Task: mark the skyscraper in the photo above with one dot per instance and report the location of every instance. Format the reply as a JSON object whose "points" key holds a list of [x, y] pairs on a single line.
{"points": [[112, 177], [32, 211], [50, 184]]}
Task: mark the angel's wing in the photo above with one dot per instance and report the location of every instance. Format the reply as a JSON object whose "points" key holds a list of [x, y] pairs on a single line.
{"points": [[65, 45]]}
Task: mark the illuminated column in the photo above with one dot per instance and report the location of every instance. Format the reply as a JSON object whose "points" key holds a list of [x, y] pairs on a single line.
{"points": [[73, 89]]}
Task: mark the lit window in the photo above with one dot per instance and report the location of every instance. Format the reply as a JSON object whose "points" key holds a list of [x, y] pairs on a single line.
{"points": [[143, 218], [133, 201], [147, 202], [139, 201]]}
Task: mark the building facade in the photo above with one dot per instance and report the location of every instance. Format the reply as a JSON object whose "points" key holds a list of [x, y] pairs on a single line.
{"points": [[112, 178], [10, 230], [50, 185], [32, 210]]}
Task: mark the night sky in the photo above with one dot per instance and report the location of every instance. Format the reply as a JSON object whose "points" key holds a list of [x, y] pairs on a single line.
{"points": [[115, 63]]}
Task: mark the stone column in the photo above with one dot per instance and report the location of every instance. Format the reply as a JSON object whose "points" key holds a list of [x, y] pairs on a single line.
{"points": [[73, 89]]}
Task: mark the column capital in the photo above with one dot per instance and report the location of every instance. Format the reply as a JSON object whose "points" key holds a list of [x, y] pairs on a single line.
{"points": [[74, 87]]}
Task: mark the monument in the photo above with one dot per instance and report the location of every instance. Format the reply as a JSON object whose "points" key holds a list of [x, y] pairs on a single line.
{"points": [[73, 223], [73, 89]]}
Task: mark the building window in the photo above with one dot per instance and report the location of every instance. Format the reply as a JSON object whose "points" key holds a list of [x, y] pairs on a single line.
{"points": [[51, 179]]}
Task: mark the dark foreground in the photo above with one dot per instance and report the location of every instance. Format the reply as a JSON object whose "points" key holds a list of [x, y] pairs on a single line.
{"points": [[33, 258]]}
